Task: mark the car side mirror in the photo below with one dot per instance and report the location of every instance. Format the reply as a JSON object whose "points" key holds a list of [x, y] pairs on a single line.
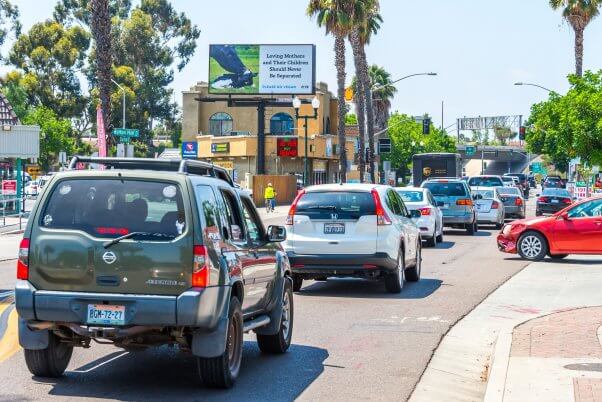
{"points": [[440, 203], [564, 216], [276, 234], [415, 213]]}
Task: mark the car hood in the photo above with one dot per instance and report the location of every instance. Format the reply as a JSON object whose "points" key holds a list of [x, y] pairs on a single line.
{"points": [[533, 221]]}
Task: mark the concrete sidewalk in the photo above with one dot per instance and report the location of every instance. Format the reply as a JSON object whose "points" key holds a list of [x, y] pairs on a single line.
{"points": [[9, 246], [534, 339]]}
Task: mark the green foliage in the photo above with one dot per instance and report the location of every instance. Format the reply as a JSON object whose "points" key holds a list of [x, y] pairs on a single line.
{"points": [[55, 134], [569, 126], [407, 139], [351, 119], [17, 97], [9, 20]]}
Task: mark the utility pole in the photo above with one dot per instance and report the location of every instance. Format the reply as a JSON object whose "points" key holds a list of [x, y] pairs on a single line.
{"points": [[442, 110]]}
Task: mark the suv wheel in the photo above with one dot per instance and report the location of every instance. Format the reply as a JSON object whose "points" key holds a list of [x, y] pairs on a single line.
{"points": [[50, 362], [394, 281], [532, 246], [222, 371], [472, 228], [413, 274], [297, 282], [280, 342]]}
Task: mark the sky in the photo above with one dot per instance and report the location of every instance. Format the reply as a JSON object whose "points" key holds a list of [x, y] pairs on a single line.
{"points": [[478, 48]]}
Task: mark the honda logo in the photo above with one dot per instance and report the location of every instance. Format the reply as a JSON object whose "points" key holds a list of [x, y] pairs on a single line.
{"points": [[334, 217]]}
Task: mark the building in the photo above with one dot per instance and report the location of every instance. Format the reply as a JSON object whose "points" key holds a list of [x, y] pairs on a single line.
{"points": [[225, 131]]}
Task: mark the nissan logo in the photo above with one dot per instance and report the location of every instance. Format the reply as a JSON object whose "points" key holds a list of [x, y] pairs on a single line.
{"points": [[109, 257]]}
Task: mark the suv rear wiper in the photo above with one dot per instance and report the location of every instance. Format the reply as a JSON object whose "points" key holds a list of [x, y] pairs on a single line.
{"points": [[116, 240]]}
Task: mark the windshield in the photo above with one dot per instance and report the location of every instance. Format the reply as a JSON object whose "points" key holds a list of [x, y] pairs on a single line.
{"points": [[556, 192], [509, 191], [508, 179], [485, 182], [347, 205], [112, 208], [453, 189], [411, 196]]}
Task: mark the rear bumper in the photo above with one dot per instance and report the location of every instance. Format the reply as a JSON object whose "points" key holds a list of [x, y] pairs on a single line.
{"points": [[513, 210], [458, 220], [426, 225], [550, 208], [199, 308], [488, 217], [344, 265]]}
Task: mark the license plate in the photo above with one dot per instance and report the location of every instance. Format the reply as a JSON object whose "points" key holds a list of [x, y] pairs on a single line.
{"points": [[555, 201], [334, 228], [445, 206], [479, 207], [105, 314]]}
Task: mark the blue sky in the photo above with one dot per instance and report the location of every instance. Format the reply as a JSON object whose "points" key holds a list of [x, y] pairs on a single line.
{"points": [[479, 48]]}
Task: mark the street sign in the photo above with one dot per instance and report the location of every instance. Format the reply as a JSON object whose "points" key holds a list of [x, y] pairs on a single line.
{"points": [[349, 94], [426, 126], [470, 150], [190, 149], [384, 145], [9, 187], [537, 167], [125, 134]]}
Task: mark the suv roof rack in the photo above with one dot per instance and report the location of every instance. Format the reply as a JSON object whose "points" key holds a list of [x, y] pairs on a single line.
{"points": [[188, 166]]}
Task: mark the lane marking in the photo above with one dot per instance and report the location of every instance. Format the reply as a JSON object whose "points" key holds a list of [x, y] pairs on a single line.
{"points": [[100, 364], [9, 344]]}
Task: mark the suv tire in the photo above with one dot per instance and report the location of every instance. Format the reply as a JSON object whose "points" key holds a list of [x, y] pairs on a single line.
{"points": [[297, 282], [222, 371], [280, 342], [413, 274], [50, 362], [532, 246], [472, 228], [394, 281]]}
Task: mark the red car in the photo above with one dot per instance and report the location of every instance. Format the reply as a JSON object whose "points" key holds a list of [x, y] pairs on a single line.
{"points": [[576, 229]]}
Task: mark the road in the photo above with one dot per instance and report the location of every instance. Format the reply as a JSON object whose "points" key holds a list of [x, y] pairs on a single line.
{"points": [[351, 340]]}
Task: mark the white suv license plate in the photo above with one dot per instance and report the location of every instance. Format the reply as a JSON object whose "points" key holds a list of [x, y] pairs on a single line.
{"points": [[106, 314], [334, 228]]}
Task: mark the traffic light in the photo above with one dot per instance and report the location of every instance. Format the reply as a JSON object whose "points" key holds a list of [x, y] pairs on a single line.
{"points": [[522, 133], [426, 126]]}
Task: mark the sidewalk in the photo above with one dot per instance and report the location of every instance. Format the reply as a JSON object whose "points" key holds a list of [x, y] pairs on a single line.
{"points": [[536, 338], [9, 246]]}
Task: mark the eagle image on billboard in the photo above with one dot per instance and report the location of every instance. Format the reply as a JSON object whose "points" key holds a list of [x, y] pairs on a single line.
{"points": [[261, 69]]}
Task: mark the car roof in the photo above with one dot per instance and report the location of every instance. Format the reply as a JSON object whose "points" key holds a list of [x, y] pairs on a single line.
{"points": [[411, 188], [482, 188], [486, 175], [444, 180], [344, 187]]}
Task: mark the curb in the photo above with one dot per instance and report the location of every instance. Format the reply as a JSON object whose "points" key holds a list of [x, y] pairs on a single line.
{"points": [[496, 385]]}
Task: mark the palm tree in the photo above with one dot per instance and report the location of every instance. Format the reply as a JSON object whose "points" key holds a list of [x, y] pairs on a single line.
{"points": [[335, 17], [578, 13], [366, 23], [101, 31], [359, 98], [383, 91]]}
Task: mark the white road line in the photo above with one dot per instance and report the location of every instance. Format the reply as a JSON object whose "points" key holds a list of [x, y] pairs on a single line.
{"points": [[100, 364]]}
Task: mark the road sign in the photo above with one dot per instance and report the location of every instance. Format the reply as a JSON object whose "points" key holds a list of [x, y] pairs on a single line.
{"points": [[125, 134], [470, 150], [9, 187], [537, 167], [384, 145], [349, 94]]}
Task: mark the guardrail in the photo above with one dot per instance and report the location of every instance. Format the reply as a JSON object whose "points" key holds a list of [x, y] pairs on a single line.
{"points": [[4, 202]]}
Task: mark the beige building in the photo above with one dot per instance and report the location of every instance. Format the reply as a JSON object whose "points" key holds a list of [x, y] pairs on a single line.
{"points": [[226, 131]]}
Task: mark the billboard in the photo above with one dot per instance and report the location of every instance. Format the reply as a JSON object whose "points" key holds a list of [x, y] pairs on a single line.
{"points": [[190, 150], [262, 69]]}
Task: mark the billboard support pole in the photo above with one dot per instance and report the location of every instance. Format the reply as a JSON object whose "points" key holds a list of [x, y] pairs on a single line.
{"points": [[260, 137]]}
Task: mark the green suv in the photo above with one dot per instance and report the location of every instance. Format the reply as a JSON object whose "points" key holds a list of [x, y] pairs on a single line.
{"points": [[147, 252]]}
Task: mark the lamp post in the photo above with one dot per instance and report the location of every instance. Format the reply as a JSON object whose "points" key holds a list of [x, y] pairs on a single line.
{"points": [[315, 104], [376, 87], [533, 85], [123, 101]]}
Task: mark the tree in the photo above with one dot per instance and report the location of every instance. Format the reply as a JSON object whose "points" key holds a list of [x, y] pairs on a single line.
{"points": [[384, 91], [48, 60], [101, 32], [503, 134], [9, 21], [569, 126], [335, 17], [578, 13]]}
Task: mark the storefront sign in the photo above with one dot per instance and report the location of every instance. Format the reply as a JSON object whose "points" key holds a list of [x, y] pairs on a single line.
{"points": [[262, 69], [228, 165], [287, 147], [220, 147], [190, 150], [9, 187], [319, 165]]}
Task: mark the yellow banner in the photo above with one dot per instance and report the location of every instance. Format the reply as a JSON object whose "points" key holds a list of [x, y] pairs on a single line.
{"points": [[224, 164]]}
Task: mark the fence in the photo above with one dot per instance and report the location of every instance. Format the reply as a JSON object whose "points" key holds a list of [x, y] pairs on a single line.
{"points": [[10, 216], [285, 186]]}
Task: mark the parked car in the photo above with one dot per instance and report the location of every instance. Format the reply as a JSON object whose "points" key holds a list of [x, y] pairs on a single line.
{"points": [[148, 253], [353, 230], [32, 188], [552, 200], [514, 203], [430, 221], [553, 182], [573, 230], [486, 181], [490, 208], [455, 202]]}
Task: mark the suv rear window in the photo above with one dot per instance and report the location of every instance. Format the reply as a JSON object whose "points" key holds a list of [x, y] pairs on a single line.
{"points": [[347, 205], [113, 207], [485, 182], [446, 189]]}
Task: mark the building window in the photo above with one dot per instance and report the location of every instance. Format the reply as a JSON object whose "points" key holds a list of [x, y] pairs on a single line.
{"points": [[220, 124], [281, 124]]}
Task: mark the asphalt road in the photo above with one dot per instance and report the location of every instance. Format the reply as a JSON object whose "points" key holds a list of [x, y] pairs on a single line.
{"points": [[351, 340]]}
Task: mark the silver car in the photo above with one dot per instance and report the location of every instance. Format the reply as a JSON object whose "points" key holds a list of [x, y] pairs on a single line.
{"points": [[490, 208], [514, 202], [430, 221]]}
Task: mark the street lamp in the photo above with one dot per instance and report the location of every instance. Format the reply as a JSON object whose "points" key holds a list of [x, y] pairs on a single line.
{"points": [[376, 87], [533, 85], [123, 102], [315, 104]]}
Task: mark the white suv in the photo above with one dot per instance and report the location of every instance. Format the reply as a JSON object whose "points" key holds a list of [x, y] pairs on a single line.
{"points": [[353, 230]]}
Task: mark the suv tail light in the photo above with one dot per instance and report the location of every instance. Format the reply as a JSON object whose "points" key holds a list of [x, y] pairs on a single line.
{"points": [[495, 205], [291, 212], [518, 202], [567, 200], [381, 215], [425, 211], [543, 199], [465, 201], [23, 260], [200, 267]]}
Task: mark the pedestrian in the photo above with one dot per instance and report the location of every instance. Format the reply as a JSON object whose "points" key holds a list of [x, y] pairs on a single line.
{"points": [[270, 198], [598, 183]]}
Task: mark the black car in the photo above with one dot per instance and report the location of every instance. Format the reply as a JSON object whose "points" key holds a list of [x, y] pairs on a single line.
{"points": [[552, 200], [553, 182], [532, 181]]}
